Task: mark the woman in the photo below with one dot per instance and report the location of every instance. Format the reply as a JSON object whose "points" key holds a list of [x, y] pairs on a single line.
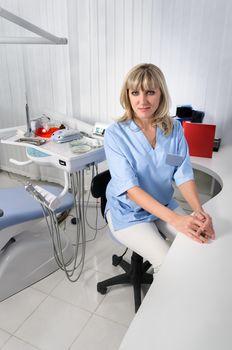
{"points": [[146, 151]]}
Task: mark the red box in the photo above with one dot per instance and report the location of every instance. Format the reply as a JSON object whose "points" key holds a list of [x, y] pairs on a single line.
{"points": [[200, 138]]}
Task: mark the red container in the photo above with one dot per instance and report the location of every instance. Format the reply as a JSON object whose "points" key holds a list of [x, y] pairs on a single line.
{"points": [[45, 133], [200, 138]]}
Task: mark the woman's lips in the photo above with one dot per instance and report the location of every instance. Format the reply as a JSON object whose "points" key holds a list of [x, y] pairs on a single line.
{"points": [[143, 109]]}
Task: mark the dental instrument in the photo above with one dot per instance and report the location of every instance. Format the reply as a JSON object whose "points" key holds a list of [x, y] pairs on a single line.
{"points": [[66, 135], [29, 132]]}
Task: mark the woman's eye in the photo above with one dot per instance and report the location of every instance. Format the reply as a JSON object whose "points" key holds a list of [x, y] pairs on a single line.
{"points": [[134, 93], [150, 92]]}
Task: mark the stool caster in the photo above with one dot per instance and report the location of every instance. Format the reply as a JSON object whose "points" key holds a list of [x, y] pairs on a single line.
{"points": [[101, 289], [116, 260]]}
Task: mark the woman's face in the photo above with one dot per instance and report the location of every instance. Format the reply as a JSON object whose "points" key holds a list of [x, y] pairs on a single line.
{"points": [[144, 102]]}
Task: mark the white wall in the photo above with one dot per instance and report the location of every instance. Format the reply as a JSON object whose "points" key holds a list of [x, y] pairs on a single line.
{"points": [[40, 71], [189, 40]]}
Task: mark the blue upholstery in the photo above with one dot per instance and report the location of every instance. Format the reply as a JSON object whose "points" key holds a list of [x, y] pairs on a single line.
{"points": [[19, 206]]}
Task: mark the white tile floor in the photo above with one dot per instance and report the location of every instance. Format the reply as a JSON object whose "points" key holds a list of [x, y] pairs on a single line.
{"points": [[57, 314]]}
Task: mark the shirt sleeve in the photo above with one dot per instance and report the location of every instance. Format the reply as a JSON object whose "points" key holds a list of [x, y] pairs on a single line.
{"points": [[183, 172], [118, 158]]}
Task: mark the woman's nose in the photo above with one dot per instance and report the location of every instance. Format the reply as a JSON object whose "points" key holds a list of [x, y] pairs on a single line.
{"points": [[143, 98]]}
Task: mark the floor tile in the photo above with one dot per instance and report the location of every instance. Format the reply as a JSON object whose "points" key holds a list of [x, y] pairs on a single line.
{"points": [[15, 310], [101, 250], [3, 337], [10, 180], [104, 265], [46, 285], [17, 344], [90, 232], [54, 325], [82, 293], [105, 335], [118, 305]]}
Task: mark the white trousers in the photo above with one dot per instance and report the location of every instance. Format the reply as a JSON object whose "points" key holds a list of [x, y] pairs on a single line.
{"points": [[145, 238]]}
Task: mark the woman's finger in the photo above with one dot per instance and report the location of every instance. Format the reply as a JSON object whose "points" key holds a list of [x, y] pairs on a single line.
{"points": [[198, 237]]}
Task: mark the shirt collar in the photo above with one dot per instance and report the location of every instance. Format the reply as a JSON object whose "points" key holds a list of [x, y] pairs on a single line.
{"points": [[133, 126]]}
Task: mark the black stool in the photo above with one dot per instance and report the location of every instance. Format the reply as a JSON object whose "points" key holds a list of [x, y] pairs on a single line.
{"points": [[135, 271]]}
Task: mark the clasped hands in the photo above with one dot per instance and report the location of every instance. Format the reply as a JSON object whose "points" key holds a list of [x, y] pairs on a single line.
{"points": [[206, 231], [197, 226]]}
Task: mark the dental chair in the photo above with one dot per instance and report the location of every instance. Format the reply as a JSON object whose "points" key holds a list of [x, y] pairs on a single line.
{"points": [[135, 271], [26, 249]]}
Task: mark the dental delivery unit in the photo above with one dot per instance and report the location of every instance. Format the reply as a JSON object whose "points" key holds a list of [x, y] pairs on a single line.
{"points": [[30, 248]]}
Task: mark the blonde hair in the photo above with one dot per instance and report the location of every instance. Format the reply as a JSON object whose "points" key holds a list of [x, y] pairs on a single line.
{"points": [[147, 76]]}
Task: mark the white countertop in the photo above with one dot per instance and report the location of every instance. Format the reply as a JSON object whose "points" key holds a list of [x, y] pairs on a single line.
{"points": [[189, 304]]}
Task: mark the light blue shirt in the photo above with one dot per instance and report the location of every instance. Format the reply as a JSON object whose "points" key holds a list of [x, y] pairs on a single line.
{"points": [[133, 162]]}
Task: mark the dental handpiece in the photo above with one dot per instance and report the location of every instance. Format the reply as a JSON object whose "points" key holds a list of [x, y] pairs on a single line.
{"points": [[43, 196]]}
